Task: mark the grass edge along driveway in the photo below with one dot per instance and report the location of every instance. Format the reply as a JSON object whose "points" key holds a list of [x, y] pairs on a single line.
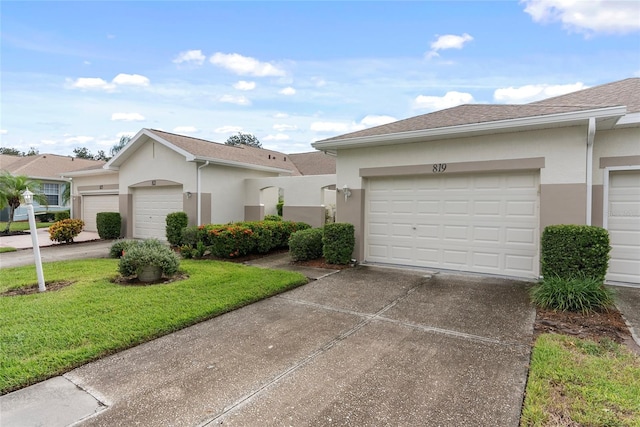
{"points": [[47, 334]]}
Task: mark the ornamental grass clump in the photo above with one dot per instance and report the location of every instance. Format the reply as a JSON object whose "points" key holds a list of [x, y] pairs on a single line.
{"points": [[150, 252], [578, 294]]}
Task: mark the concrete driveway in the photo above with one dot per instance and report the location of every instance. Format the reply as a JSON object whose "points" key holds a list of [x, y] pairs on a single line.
{"points": [[363, 347]]}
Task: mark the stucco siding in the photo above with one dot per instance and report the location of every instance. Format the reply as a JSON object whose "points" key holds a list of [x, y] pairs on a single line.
{"points": [[614, 143], [563, 150]]}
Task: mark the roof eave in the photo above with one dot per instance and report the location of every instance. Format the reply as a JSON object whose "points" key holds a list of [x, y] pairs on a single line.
{"points": [[499, 126], [122, 155], [242, 165]]}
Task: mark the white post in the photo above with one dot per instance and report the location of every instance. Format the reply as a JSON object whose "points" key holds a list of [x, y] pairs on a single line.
{"points": [[28, 200]]}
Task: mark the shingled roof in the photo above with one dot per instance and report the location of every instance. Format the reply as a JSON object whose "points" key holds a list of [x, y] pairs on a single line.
{"points": [[314, 163], [622, 93], [46, 165]]}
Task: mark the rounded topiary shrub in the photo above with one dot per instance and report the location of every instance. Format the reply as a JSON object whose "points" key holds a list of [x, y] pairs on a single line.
{"points": [[306, 244], [579, 294], [338, 242], [176, 222], [109, 225], [59, 216], [145, 253], [65, 230]]}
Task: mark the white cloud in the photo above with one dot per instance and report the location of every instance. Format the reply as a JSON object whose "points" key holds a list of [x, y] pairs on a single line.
{"points": [[244, 85], [244, 65], [238, 100], [186, 129], [450, 99], [130, 79], [288, 91], [190, 56], [3, 131], [530, 93], [91, 83], [448, 41], [48, 142], [284, 128], [228, 129], [593, 16], [127, 117], [79, 139], [277, 137], [373, 120], [328, 127], [318, 81], [280, 115]]}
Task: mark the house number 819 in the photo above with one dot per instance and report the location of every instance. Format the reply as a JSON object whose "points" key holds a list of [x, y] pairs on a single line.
{"points": [[439, 167]]}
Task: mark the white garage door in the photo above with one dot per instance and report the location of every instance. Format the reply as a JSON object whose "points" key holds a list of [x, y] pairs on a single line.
{"points": [[93, 204], [624, 226], [150, 209], [485, 223]]}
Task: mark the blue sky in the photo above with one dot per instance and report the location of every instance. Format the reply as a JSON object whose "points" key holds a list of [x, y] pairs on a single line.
{"points": [[84, 73]]}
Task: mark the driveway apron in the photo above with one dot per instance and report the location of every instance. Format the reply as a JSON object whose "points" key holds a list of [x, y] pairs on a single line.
{"points": [[366, 346]]}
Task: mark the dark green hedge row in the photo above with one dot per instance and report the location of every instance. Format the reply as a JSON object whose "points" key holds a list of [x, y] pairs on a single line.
{"points": [[238, 239], [305, 245], [570, 251], [176, 222]]}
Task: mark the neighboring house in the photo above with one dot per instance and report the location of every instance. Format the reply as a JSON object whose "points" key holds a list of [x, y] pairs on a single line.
{"points": [[158, 173], [471, 188], [50, 170]]}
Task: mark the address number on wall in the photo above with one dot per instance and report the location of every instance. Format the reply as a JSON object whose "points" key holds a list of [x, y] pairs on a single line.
{"points": [[439, 167]]}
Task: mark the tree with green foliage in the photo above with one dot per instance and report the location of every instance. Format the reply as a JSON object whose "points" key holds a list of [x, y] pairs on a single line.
{"points": [[11, 189], [10, 151], [82, 153], [244, 139], [120, 145]]}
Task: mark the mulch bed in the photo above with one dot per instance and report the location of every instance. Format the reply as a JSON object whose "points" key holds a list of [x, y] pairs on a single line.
{"points": [[594, 326], [33, 289]]}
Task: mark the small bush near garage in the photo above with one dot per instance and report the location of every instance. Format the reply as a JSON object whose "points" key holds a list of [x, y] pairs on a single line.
{"points": [[579, 294], [146, 253], [238, 239], [272, 218], [176, 222], [65, 230], [121, 246], [306, 244], [338, 242], [570, 251], [109, 225], [47, 217], [60, 215]]}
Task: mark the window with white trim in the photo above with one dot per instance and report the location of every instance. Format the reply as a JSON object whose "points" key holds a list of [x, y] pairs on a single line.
{"points": [[52, 193]]}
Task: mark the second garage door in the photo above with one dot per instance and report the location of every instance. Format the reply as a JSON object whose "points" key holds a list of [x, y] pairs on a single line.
{"points": [[93, 204], [150, 209], [484, 223]]}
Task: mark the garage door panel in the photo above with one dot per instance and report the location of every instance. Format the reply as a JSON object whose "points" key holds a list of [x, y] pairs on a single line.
{"points": [[93, 204], [151, 207], [624, 226], [486, 223]]}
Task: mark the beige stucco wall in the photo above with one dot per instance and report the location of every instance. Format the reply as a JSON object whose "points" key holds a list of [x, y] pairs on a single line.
{"points": [[563, 150], [298, 190], [614, 143], [92, 183]]}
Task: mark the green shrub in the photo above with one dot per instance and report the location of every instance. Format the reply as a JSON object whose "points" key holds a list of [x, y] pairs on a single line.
{"points": [[569, 251], [176, 222], [109, 225], [279, 206], [47, 217], [145, 253], [338, 242], [272, 218], [120, 246], [60, 215], [580, 294], [65, 230], [306, 244]]}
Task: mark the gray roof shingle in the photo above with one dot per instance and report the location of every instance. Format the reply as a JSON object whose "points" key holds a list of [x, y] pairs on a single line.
{"points": [[47, 165], [314, 163]]}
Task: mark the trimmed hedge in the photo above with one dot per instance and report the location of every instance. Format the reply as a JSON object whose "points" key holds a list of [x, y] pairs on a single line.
{"points": [[65, 230], [572, 251], [176, 222], [306, 244], [109, 225], [338, 242], [60, 215], [238, 239]]}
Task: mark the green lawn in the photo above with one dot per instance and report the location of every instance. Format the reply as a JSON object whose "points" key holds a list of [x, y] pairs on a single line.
{"points": [[576, 382], [7, 249], [23, 225], [46, 334]]}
